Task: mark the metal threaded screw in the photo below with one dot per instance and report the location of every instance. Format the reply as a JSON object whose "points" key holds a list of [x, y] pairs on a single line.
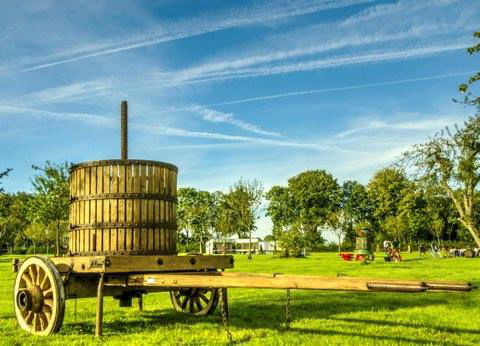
{"points": [[124, 130]]}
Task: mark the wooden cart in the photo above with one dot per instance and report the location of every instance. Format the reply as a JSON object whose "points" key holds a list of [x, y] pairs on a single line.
{"points": [[122, 243]]}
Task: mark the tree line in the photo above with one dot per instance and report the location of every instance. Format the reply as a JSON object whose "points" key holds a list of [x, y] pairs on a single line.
{"points": [[430, 193]]}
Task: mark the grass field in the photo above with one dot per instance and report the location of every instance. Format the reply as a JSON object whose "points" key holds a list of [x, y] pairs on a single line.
{"points": [[257, 316]]}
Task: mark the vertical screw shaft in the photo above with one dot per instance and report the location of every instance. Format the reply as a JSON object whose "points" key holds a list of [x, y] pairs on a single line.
{"points": [[124, 130]]}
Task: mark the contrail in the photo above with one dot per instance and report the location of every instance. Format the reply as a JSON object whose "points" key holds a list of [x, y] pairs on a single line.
{"points": [[319, 91], [195, 27], [352, 87]]}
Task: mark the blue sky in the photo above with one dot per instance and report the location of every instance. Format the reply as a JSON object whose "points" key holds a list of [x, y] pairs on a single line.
{"points": [[230, 89]]}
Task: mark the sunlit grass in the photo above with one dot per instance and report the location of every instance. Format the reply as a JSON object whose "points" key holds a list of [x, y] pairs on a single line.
{"points": [[257, 316]]}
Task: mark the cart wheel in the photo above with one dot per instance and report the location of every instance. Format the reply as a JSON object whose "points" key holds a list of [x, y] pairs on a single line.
{"points": [[195, 301], [39, 296]]}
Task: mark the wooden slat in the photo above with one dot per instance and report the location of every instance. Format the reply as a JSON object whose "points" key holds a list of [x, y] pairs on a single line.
{"points": [[157, 236]]}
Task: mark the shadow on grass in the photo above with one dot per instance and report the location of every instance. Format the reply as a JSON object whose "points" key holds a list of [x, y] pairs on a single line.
{"points": [[270, 315], [408, 325], [415, 259]]}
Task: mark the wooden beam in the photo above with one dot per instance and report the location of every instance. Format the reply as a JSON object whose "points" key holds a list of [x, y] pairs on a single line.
{"points": [[303, 282], [129, 264]]}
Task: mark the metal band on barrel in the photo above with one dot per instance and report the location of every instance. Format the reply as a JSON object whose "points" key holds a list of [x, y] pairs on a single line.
{"points": [[101, 225], [124, 163], [128, 196]]}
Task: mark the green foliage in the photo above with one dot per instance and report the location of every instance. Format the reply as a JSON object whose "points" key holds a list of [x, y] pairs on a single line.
{"points": [[386, 189], [469, 98], [292, 242], [13, 218], [50, 203], [315, 195], [451, 160], [245, 197], [2, 175], [301, 209], [196, 214]]}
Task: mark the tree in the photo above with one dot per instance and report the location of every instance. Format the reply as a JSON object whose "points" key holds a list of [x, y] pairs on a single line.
{"points": [[50, 204], [247, 198], [196, 213], [356, 207], [386, 189], [412, 215], [2, 175], [185, 197], [443, 217], [336, 224], [226, 222], [465, 88], [13, 217], [315, 194], [304, 207], [451, 159]]}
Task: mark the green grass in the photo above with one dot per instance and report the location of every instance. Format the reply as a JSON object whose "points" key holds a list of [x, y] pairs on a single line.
{"points": [[257, 316]]}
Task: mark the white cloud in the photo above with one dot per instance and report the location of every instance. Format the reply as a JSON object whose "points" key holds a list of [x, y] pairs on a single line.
{"points": [[214, 116], [85, 117], [335, 61], [402, 23], [418, 124], [268, 11]]}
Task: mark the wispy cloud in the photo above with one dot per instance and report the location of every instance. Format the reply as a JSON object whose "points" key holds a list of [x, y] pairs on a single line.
{"points": [[419, 124], [267, 11], [70, 92], [171, 131], [99, 120], [335, 61], [85, 117], [318, 91], [215, 116], [404, 33], [402, 22]]}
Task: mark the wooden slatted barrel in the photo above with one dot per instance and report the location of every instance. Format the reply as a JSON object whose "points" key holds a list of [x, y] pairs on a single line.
{"points": [[123, 207]]}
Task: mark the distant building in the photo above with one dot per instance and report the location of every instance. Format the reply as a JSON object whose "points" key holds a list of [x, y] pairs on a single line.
{"points": [[236, 245]]}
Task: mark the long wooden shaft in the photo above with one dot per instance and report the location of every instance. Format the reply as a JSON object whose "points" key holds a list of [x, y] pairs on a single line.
{"points": [[303, 282]]}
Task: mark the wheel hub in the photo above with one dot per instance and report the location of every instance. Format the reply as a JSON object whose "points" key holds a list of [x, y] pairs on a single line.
{"points": [[30, 299]]}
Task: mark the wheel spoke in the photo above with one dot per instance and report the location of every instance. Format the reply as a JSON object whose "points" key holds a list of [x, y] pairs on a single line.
{"points": [[44, 282], [27, 279], [29, 317], [183, 304], [191, 306], [43, 320], [35, 322], [39, 274], [33, 275], [203, 297], [48, 293], [198, 304], [47, 311], [48, 302]]}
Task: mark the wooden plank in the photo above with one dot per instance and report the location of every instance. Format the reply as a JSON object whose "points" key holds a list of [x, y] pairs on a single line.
{"points": [[156, 239], [126, 264], [136, 239], [243, 280], [161, 180], [151, 240], [129, 239]]}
